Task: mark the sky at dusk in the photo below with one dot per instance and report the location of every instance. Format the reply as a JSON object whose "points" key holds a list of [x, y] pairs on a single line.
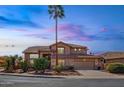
{"points": [[100, 28]]}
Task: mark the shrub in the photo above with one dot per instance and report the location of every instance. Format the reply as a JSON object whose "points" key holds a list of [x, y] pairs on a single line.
{"points": [[8, 65], [58, 68], [115, 67], [40, 64], [71, 68], [12, 58], [24, 66]]}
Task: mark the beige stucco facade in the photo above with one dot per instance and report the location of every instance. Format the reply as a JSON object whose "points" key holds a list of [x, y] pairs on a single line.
{"points": [[76, 56], [71, 55]]}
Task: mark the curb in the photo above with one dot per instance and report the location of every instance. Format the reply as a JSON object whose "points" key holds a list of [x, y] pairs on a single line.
{"points": [[59, 77], [35, 76]]}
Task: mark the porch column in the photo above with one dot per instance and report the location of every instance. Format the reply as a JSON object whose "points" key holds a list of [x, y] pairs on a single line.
{"points": [[39, 53]]}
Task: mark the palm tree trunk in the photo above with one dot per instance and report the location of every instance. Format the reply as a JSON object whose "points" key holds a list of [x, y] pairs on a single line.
{"points": [[56, 21]]}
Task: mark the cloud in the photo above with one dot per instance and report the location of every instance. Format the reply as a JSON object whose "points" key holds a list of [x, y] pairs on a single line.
{"points": [[80, 33], [74, 32], [20, 30], [18, 22], [20, 16], [71, 32], [104, 29], [108, 33], [41, 36]]}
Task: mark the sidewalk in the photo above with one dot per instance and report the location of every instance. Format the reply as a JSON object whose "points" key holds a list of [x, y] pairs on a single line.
{"points": [[86, 74], [98, 74]]}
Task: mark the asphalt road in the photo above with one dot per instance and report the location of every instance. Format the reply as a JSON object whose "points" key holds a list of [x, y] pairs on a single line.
{"points": [[14, 81]]}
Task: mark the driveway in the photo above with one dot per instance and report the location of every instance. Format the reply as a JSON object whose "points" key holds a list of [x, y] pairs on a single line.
{"points": [[99, 74]]}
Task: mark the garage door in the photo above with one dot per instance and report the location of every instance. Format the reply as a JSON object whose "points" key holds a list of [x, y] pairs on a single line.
{"points": [[84, 65]]}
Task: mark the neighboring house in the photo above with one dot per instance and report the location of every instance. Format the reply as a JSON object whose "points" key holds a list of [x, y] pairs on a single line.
{"points": [[111, 57], [2, 60], [68, 55]]}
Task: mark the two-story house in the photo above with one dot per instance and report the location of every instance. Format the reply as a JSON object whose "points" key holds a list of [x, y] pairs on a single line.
{"points": [[68, 55]]}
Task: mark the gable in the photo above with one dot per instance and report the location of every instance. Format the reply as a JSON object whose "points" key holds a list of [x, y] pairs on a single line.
{"points": [[62, 44]]}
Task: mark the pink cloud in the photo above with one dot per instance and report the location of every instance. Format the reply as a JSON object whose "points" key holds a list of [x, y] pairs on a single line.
{"points": [[66, 32], [86, 38], [20, 30], [71, 32], [104, 29], [66, 27]]}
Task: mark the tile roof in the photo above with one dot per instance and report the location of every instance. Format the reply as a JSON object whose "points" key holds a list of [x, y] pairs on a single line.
{"points": [[72, 45], [111, 55], [37, 48]]}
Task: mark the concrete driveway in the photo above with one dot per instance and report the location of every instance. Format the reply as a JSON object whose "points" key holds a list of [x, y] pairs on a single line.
{"points": [[99, 74]]}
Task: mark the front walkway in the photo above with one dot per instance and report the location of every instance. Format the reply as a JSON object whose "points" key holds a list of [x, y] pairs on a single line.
{"points": [[99, 74]]}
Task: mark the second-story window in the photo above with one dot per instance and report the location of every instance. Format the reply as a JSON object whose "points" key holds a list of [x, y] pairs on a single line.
{"points": [[61, 50], [79, 49], [75, 49]]}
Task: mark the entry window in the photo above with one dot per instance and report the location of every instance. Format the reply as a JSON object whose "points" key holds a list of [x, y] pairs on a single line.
{"points": [[61, 62], [33, 56], [61, 50]]}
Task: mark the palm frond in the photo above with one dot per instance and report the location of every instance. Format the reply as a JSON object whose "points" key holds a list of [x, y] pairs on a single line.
{"points": [[56, 11]]}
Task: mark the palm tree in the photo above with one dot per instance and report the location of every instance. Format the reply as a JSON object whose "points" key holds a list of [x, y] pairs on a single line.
{"points": [[56, 12]]}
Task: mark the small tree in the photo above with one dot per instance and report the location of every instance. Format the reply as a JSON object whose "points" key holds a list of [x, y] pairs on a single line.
{"points": [[40, 64], [12, 59], [24, 66], [58, 68], [8, 65]]}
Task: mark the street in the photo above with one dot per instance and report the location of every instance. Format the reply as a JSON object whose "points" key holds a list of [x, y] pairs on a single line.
{"points": [[15, 81]]}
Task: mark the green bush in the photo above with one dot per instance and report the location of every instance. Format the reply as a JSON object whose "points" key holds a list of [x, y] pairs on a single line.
{"points": [[58, 68], [115, 68], [8, 65], [24, 66], [40, 64]]}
